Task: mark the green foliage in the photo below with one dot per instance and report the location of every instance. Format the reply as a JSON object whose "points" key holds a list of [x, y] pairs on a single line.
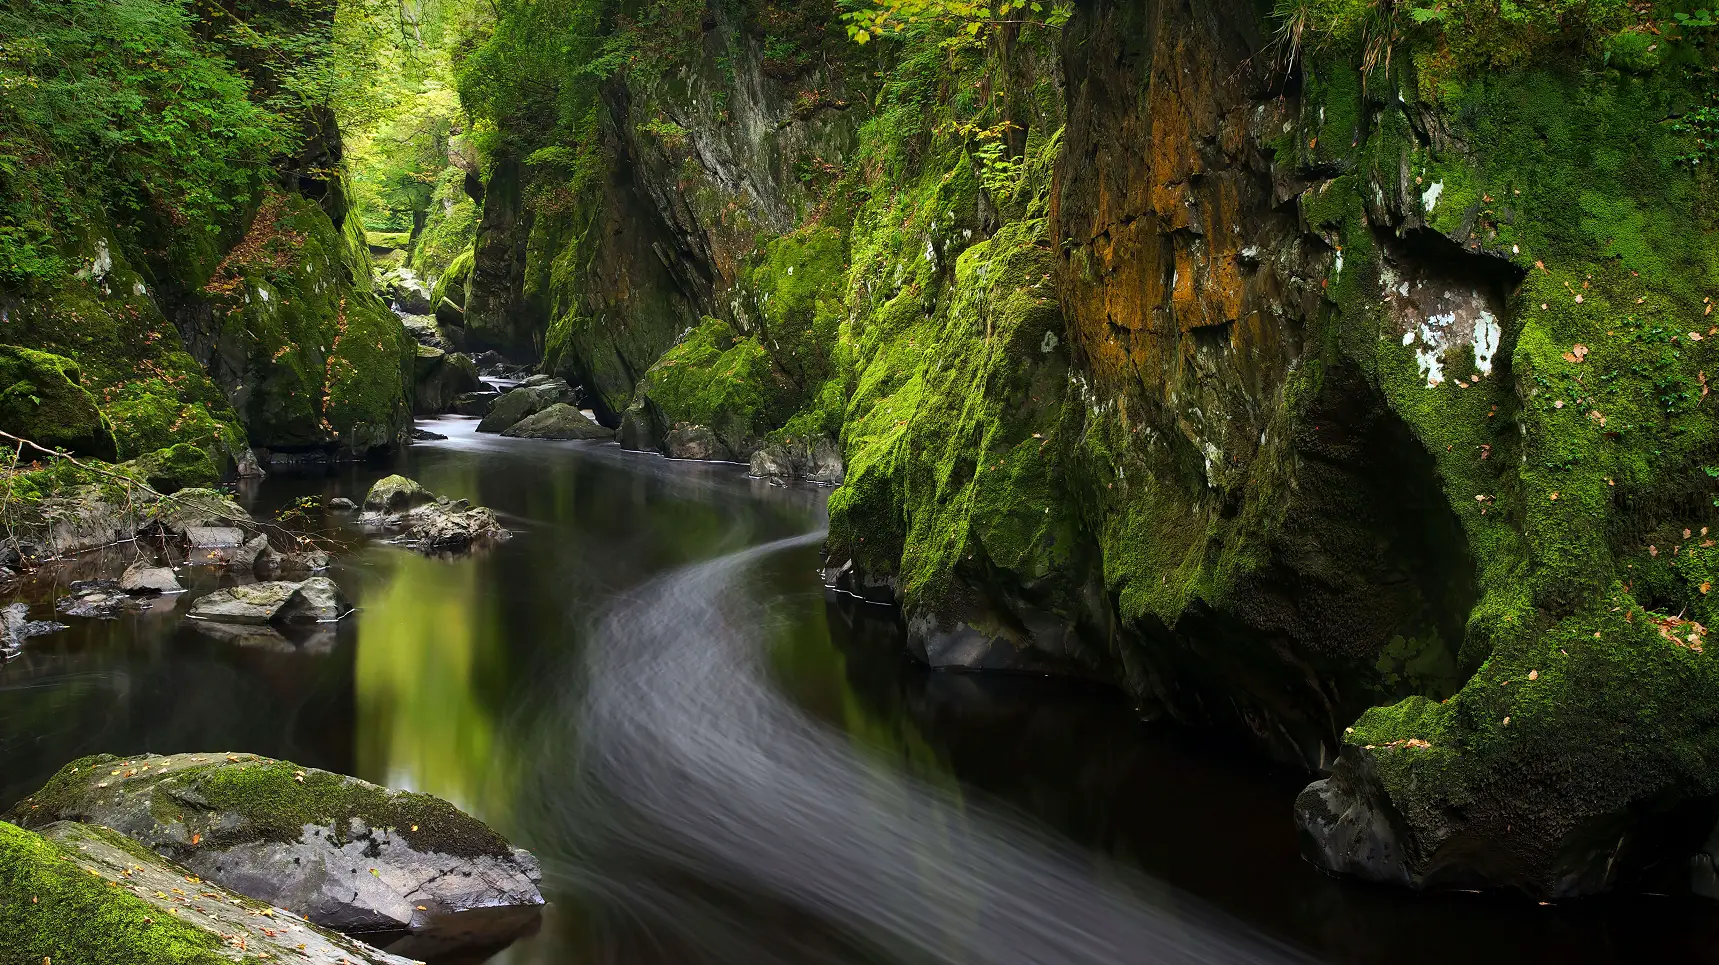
{"points": [[1456, 38], [119, 107], [870, 19]]}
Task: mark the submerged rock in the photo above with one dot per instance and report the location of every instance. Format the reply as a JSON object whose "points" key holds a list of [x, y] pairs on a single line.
{"points": [[96, 895], [347, 854], [559, 421], [97, 600], [16, 627]]}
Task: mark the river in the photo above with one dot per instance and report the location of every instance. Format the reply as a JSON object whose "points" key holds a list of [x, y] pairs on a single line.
{"points": [[716, 761]]}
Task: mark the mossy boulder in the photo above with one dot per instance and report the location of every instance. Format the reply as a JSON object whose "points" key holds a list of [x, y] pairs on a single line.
{"points": [[177, 467], [79, 893], [347, 854], [311, 357], [439, 376], [42, 399], [559, 421], [523, 401], [396, 494]]}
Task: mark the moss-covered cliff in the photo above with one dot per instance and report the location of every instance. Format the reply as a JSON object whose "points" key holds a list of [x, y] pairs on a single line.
{"points": [[174, 224], [1274, 364]]}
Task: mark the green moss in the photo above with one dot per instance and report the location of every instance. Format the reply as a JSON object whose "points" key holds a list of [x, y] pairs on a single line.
{"points": [[326, 362], [177, 467], [42, 399], [274, 800], [52, 909], [451, 283]]}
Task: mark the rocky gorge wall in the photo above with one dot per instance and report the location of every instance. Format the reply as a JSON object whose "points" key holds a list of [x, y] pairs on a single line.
{"points": [[1274, 365], [213, 301]]}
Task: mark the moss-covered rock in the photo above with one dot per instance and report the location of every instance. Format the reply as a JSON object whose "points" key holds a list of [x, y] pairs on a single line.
{"points": [[311, 357], [347, 854], [177, 467], [42, 399], [77, 893]]}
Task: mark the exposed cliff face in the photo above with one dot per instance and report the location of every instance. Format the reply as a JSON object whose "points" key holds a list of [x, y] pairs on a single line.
{"points": [[1265, 389]]}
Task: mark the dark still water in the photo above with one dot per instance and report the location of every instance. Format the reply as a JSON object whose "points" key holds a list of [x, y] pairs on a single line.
{"points": [[718, 763]]}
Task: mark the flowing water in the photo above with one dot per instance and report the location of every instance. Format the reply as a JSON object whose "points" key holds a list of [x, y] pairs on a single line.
{"points": [[718, 762]]}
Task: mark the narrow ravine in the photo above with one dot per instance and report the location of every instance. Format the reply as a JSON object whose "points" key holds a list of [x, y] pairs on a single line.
{"points": [[705, 769]]}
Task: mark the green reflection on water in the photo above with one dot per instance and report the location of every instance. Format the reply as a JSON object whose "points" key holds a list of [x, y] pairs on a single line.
{"points": [[427, 639]]}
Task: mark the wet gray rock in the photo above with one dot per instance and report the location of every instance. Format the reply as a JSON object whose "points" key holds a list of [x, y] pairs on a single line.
{"points": [[396, 493], [143, 579], [413, 516], [139, 879], [317, 600], [405, 290], [474, 403], [348, 854], [438, 377], [341, 504], [425, 331], [16, 627], [425, 435], [820, 462], [523, 401], [254, 603], [96, 600], [559, 421], [694, 442]]}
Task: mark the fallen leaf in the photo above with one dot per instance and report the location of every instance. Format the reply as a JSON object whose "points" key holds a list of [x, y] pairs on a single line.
{"points": [[1533, 675]]}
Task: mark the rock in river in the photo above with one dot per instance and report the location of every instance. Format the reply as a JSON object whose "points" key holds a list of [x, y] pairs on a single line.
{"points": [[427, 522], [141, 579], [78, 893], [559, 421], [96, 599], [346, 853], [275, 601], [523, 401]]}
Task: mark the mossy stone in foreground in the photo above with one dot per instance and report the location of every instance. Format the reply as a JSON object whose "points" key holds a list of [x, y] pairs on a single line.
{"points": [[43, 400], [82, 895], [349, 854]]}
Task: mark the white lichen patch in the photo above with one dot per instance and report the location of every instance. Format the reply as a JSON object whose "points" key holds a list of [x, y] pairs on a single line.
{"points": [[1435, 314], [100, 265], [1430, 198]]}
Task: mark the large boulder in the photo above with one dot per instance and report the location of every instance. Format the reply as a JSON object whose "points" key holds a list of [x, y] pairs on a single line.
{"points": [[819, 461], [79, 893], [345, 853], [523, 401], [439, 377], [415, 517], [396, 493], [559, 421], [42, 399], [281, 602], [406, 291]]}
